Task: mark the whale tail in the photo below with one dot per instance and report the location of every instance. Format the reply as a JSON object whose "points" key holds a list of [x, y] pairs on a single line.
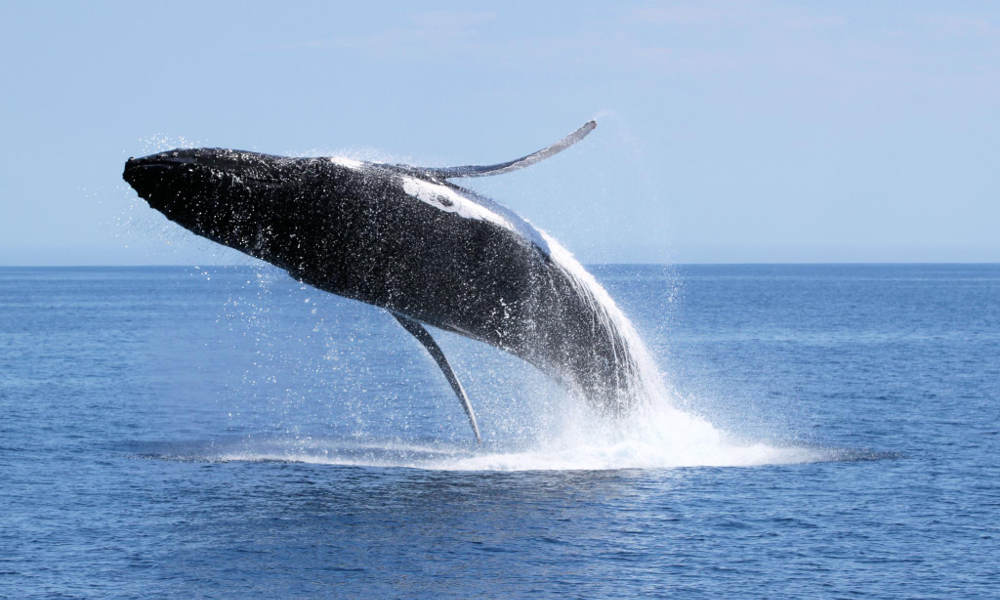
{"points": [[517, 163]]}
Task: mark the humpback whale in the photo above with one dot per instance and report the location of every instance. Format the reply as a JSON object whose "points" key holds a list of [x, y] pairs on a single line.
{"points": [[410, 241]]}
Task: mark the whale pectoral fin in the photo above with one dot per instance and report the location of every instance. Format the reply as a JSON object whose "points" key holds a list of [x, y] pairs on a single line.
{"points": [[517, 163], [418, 331]]}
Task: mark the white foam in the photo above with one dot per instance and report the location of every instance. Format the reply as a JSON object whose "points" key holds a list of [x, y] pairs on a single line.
{"points": [[655, 436], [663, 450]]}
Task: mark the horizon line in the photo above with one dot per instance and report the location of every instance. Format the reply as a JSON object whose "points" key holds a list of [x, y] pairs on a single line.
{"points": [[589, 264]]}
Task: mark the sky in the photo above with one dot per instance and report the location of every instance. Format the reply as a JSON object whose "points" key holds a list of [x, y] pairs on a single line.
{"points": [[727, 131]]}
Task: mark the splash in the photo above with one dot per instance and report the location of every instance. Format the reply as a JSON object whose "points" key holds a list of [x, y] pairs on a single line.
{"points": [[566, 432], [654, 433], [643, 384], [577, 449]]}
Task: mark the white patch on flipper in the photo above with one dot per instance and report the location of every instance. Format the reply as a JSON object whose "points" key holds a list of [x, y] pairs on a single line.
{"points": [[447, 199], [350, 163]]}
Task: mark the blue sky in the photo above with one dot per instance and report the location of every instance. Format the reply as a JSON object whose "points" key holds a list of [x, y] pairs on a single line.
{"points": [[728, 131]]}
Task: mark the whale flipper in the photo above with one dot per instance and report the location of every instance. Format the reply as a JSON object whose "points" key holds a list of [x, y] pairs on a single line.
{"points": [[418, 331], [517, 163]]}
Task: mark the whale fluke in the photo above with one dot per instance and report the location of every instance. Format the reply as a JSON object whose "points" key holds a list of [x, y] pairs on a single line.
{"points": [[418, 331], [517, 163]]}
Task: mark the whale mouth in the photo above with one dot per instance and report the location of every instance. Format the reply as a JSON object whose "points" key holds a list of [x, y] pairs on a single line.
{"points": [[147, 173], [157, 161], [206, 165], [178, 159]]}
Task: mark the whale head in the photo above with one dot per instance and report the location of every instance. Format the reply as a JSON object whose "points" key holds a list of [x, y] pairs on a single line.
{"points": [[362, 230], [217, 193], [256, 203]]}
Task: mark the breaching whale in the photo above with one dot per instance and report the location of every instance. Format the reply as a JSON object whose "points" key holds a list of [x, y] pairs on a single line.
{"points": [[408, 240]]}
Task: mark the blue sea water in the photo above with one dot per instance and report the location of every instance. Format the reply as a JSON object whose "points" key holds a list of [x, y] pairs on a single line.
{"points": [[829, 431]]}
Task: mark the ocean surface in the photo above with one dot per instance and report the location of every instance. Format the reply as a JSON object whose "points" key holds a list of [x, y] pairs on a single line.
{"points": [[827, 431]]}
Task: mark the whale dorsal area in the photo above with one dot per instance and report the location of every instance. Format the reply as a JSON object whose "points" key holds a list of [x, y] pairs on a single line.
{"points": [[517, 163], [417, 330]]}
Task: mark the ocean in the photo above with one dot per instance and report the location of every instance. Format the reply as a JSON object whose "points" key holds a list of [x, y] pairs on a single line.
{"points": [[226, 432]]}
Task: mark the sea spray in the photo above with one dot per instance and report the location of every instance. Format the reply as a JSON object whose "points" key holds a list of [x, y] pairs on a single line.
{"points": [[562, 431], [546, 428], [651, 433], [644, 383]]}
